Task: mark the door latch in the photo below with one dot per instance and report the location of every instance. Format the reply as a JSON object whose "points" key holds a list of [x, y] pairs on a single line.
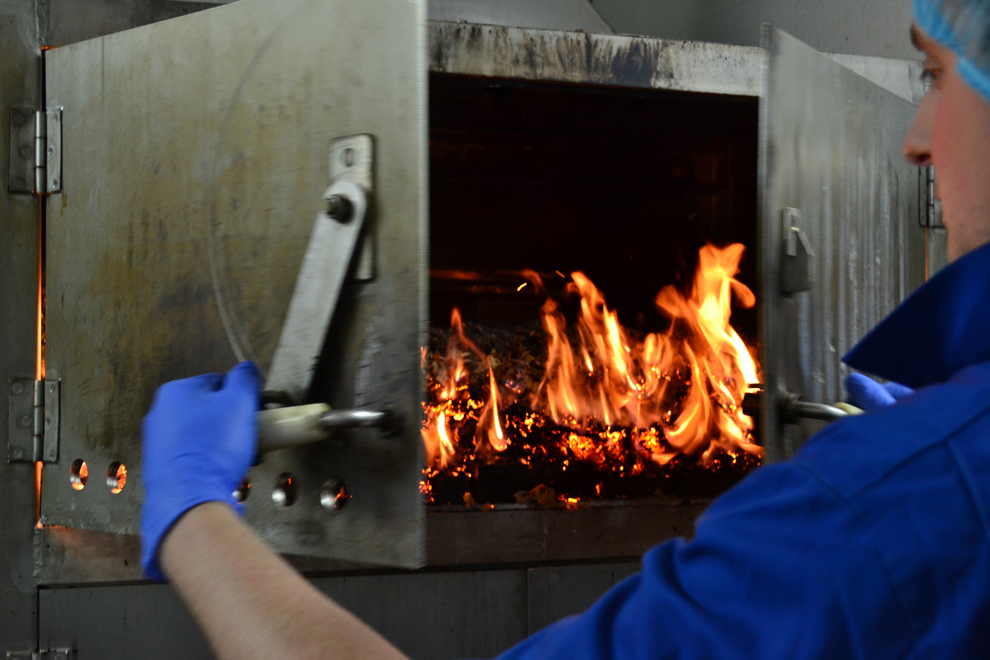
{"points": [[796, 255]]}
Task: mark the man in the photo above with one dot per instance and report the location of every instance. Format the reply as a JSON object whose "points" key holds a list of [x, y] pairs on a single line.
{"points": [[872, 542]]}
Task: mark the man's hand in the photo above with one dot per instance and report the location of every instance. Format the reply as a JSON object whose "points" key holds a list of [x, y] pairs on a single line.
{"points": [[199, 442], [870, 395]]}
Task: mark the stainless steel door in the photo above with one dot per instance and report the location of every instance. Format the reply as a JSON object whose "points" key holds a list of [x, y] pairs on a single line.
{"points": [[831, 149], [195, 160]]}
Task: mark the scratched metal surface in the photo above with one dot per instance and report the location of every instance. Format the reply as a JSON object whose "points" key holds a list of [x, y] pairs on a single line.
{"points": [[833, 150], [196, 156], [576, 57]]}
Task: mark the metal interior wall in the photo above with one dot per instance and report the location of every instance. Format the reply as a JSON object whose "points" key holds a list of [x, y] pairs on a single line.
{"points": [[630, 61], [833, 151], [19, 241], [613, 60], [63, 22], [567, 15], [429, 616], [195, 159]]}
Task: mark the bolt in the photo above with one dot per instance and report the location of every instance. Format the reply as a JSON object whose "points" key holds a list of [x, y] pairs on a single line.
{"points": [[51, 151], [339, 208], [16, 388], [48, 420], [25, 151], [55, 181], [26, 420]]}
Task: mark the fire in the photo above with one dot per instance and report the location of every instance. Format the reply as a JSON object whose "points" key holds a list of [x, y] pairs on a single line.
{"points": [[609, 400]]}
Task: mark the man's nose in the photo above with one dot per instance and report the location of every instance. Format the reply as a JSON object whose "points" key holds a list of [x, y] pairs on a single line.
{"points": [[917, 142]]}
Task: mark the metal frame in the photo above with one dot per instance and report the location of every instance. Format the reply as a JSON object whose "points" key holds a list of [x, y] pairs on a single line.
{"points": [[20, 58], [505, 537]]}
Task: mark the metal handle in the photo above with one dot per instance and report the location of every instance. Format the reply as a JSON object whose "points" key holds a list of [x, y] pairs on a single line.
{"points": [[292, 426], [792, 408]]}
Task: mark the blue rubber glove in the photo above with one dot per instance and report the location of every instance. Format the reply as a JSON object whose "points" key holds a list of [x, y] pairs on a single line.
{"points": [[868, 394], [200, 439]]}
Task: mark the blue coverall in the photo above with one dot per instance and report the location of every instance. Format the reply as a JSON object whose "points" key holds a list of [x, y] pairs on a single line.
{"points": [[873, 541]]}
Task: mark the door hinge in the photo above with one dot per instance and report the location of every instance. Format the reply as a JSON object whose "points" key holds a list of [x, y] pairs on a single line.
{"points": [[35, 151], [51, 654], [931, 209], [32, 420]]}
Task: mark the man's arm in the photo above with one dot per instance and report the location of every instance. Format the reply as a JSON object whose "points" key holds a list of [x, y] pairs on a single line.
{"points": [[250, 602]]}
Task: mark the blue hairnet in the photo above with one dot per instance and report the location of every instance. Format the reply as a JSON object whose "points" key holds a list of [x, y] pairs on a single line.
{"points": [[963, 26]]}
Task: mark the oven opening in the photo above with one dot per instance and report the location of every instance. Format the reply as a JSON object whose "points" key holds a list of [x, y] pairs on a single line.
{"points": [[585, 244]]}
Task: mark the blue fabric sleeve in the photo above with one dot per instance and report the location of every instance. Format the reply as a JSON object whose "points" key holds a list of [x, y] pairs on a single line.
{"points": [[779, 568]]}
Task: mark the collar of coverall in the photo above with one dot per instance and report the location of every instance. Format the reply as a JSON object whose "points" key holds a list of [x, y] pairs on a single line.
{"points": [[942, 328]]}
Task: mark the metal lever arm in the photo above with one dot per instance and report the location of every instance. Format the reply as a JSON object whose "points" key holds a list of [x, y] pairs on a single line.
{"points": [[331, 251]]}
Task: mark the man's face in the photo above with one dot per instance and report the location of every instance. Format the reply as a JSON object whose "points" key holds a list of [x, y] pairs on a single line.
{"points": [[951, 131]]}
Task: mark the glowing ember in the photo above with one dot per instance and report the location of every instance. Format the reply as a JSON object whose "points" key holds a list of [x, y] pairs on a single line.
{"points": [[608, 404]]}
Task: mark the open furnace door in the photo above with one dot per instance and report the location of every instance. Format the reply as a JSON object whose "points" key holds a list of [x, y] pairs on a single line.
{"points": [[834, 181], [195, 159]]}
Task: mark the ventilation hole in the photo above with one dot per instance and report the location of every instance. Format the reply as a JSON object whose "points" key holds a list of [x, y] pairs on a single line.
{"points": [[242, 491], [284, 490], [334, 495], [78, 474], [116, 477]]}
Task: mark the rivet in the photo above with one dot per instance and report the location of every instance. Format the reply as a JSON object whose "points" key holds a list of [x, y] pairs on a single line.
{"points": [[26, 420], [55, 181], [51, 151], [18, 183], [19, 119], [26, 151], [16, 388], [18, 454]]}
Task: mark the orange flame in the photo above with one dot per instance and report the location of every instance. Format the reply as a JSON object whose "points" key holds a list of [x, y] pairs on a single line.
{"points": [[679, 391]]}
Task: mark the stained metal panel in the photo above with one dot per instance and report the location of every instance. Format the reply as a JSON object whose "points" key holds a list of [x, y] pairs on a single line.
{"points": [[832, 149], [195, 156], [429, 616], [559, 591], [575, 57], [19, 230], [439, 616], [509, 535]]}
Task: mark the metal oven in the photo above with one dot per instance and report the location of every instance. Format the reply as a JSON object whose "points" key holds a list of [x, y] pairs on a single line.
{"points": [[160, 227]]}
